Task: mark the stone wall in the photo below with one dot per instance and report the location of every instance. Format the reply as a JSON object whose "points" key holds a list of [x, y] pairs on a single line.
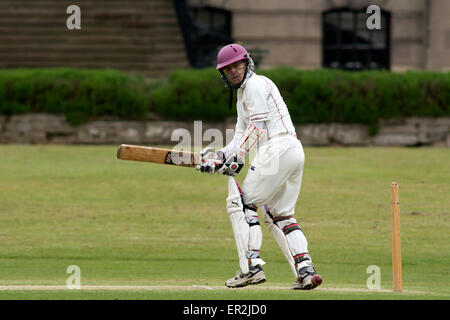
{"points": [[54, 129]]}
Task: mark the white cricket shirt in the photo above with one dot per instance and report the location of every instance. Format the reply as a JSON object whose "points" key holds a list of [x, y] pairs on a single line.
{"points": [[260, 102]]}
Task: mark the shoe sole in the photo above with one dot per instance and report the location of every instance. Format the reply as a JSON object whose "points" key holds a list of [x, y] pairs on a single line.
{"points": [[249, 282], [258, 281]]}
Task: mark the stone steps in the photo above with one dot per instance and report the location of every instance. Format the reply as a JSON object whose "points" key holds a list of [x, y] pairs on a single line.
{"points": [[138, 36]]}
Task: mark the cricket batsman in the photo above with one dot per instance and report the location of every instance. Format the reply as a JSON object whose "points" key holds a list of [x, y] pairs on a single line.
{"points": [[273, 180]]}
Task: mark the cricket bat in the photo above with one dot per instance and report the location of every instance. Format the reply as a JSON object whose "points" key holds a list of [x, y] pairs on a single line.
{"points": [[158, 155]]}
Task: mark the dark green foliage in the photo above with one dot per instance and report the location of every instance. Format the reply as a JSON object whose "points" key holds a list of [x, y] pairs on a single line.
{"points": [[77, 93], [193, 95], [312, 96]]}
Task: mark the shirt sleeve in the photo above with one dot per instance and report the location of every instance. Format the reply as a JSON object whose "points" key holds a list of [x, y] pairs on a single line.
{"points": [[232, 147], [256, 96]]}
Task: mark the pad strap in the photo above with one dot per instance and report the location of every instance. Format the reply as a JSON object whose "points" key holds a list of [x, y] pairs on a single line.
{"points": [[250, 207], [290, 227], [299, 258]]}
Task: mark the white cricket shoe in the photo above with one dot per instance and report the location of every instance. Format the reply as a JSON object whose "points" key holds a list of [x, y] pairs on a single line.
{"points": [[255, 276], [307, 280]]}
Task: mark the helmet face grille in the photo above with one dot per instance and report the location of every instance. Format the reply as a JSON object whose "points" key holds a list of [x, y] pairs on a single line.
{"points": [[231, 54], [249, 70]]}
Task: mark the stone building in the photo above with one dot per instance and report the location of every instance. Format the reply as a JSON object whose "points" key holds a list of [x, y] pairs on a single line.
{"points": [[153, 37], [136, 36], [414, 35]]}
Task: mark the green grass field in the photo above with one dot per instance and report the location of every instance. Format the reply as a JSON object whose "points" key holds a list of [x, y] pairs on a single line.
{"points": [[148, 231]]}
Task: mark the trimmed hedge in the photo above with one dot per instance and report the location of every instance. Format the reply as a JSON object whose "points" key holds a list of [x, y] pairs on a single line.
{"points": [[312, 96], [193, 95], [79, 94], [362, 97]]}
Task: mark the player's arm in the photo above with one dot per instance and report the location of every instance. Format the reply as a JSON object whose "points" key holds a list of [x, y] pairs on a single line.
{"points": [[249, 139], [246, 136], [232, 147], [256, 95], [242, 145], [230, 159]]}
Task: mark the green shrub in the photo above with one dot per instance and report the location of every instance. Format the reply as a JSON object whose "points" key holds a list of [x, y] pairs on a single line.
{"points": [[314, 96], [79, 94], [192, 95]]}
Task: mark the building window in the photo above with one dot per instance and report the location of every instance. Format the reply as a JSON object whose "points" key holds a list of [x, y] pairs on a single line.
{"points": [[213, 31], [348, 44], [213, 19]]}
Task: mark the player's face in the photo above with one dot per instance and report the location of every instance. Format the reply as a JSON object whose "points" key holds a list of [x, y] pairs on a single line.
{"points": [[235, 72]]}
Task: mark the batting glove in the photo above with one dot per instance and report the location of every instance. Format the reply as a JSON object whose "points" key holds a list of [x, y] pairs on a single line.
{"points": [[231, 167], [210, 160]]}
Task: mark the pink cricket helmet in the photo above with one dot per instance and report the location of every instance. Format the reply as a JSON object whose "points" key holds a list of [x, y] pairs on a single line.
{"points": [[230, 54]]}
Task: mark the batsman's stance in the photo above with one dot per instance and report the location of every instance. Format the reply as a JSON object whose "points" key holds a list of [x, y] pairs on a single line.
{"points": [[274, 178]]}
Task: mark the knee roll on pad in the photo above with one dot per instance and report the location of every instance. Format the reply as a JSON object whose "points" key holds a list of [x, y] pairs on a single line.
{"points": [[255, 237], [251, 217]]}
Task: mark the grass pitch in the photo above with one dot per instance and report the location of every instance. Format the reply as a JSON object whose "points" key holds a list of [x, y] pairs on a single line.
{"points": [[149, 231]]}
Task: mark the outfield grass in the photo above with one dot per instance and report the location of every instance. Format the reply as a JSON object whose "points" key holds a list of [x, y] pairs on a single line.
{"points": [[139, 224]]}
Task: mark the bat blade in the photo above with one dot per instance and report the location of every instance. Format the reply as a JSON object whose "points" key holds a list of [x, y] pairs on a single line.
{"points": [[157, 155]]}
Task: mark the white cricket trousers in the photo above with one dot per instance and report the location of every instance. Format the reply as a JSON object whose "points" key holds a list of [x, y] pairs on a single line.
{"points": [[275, 175]]}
